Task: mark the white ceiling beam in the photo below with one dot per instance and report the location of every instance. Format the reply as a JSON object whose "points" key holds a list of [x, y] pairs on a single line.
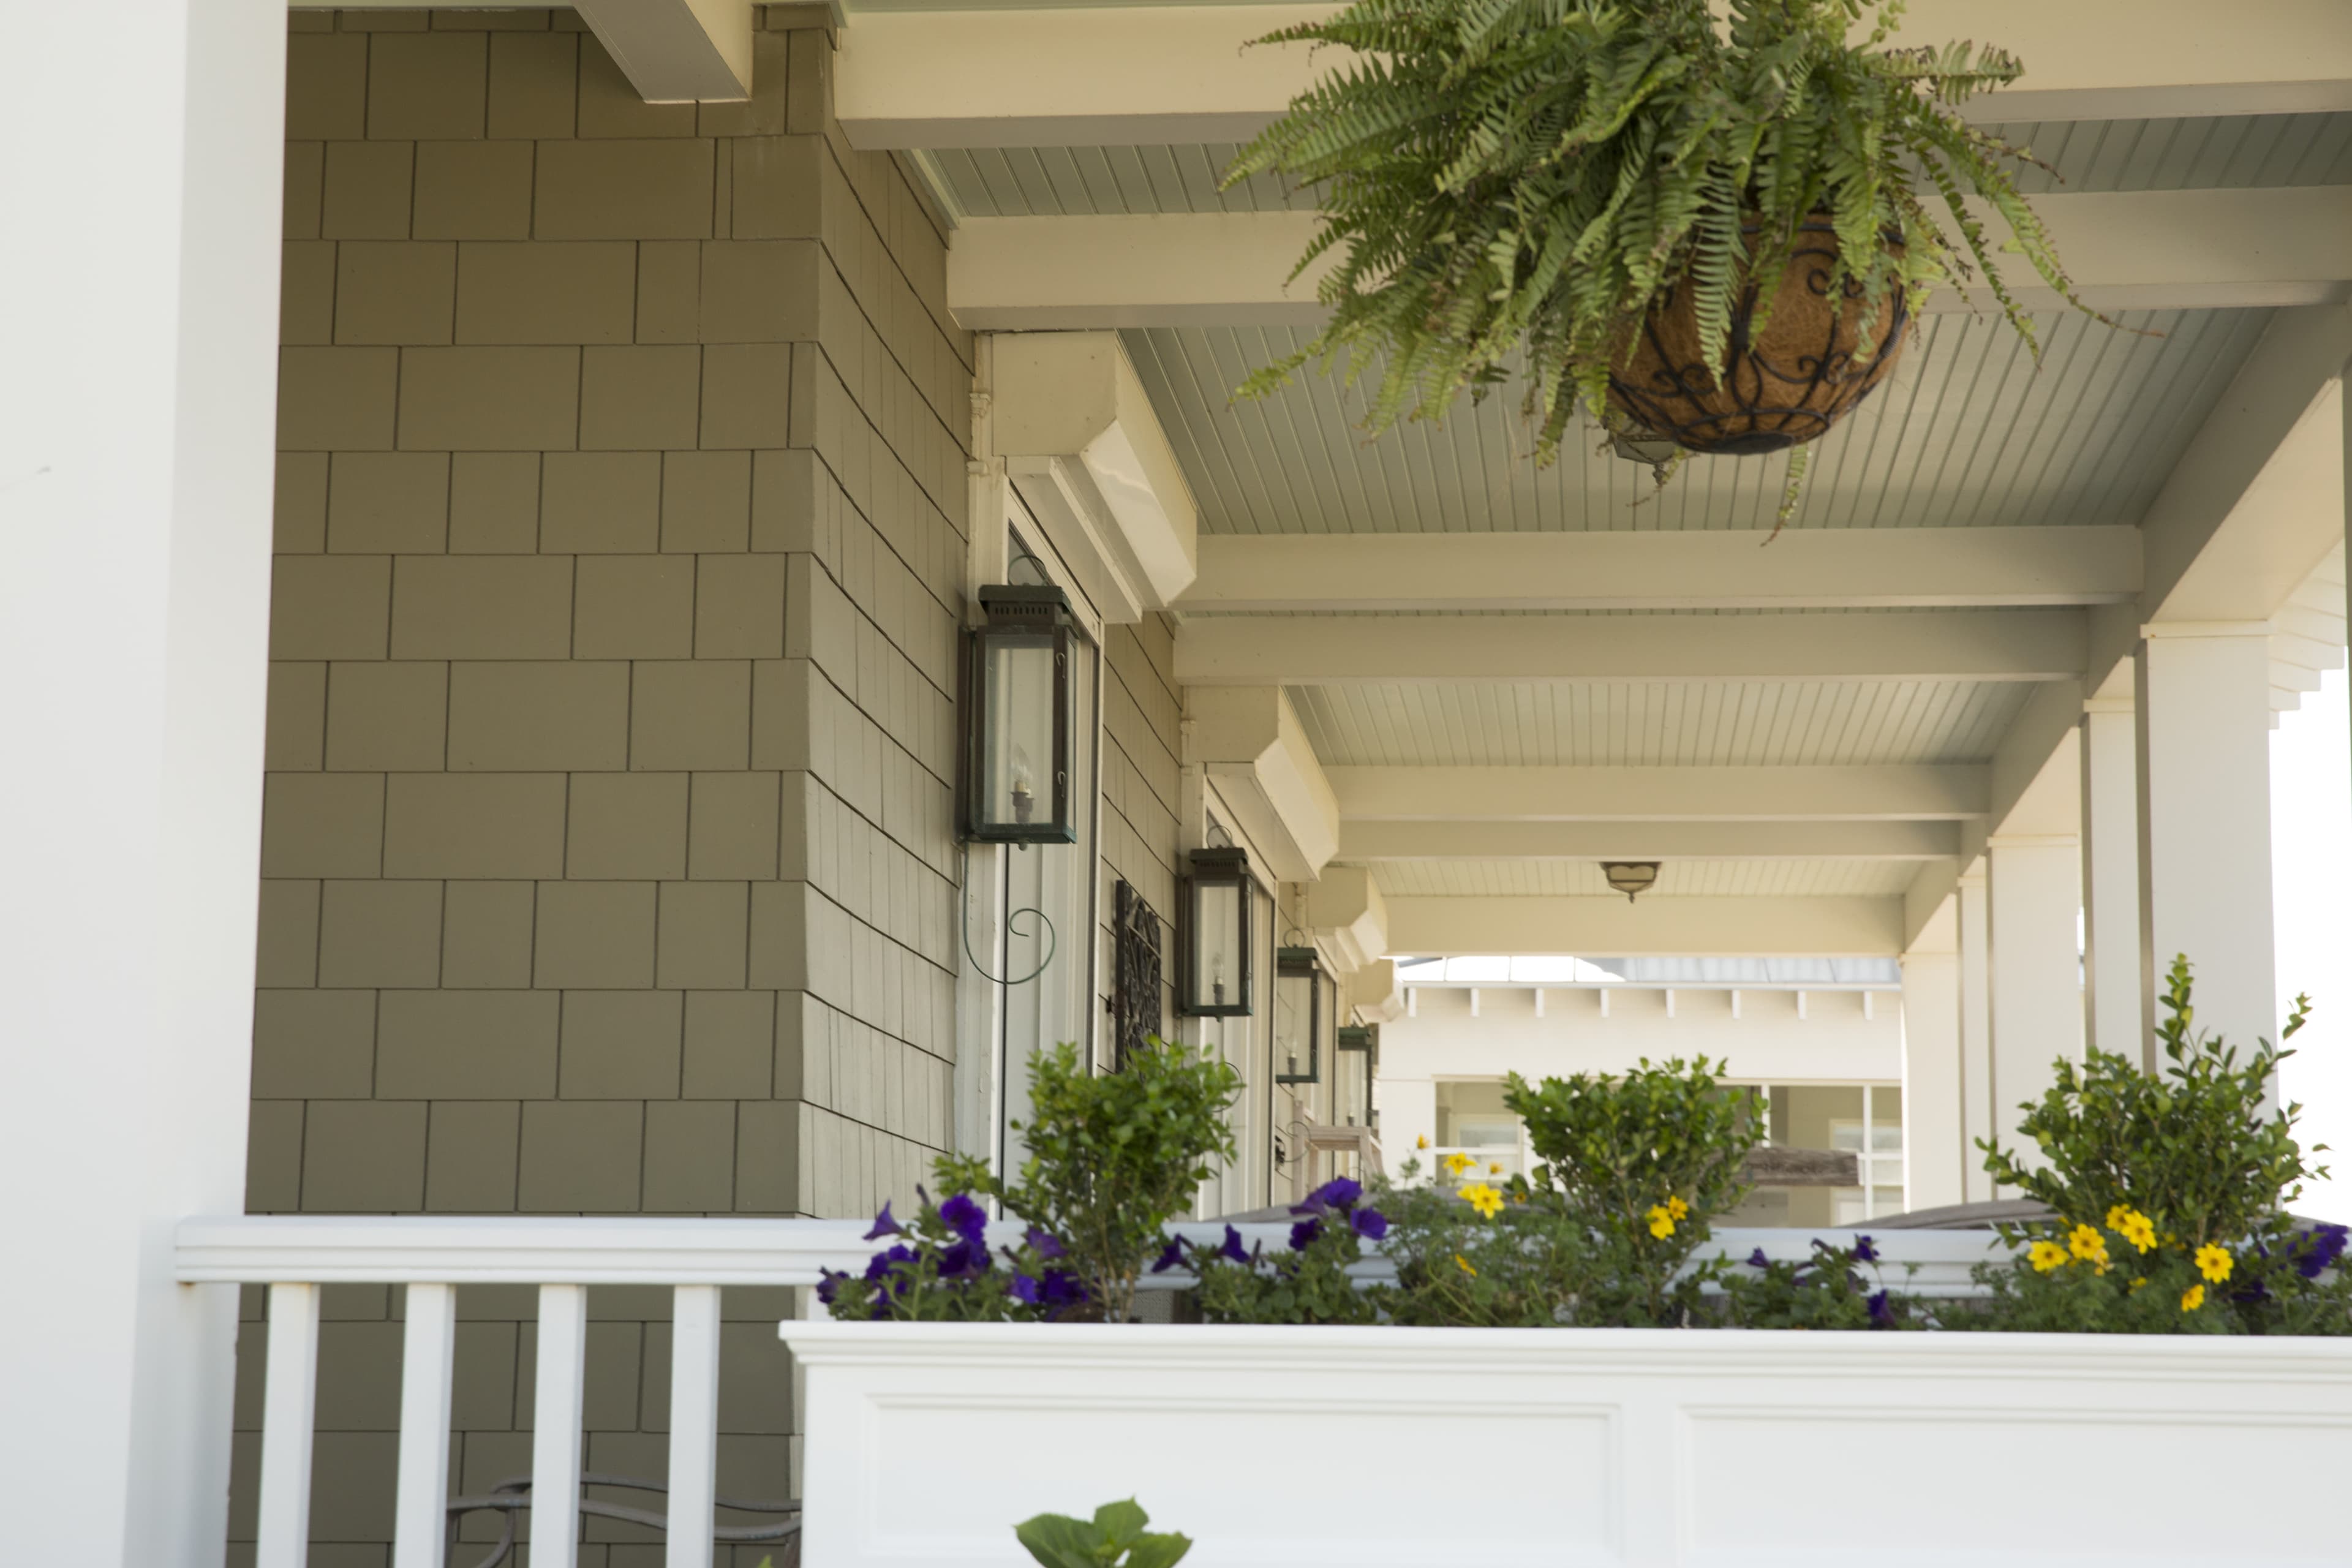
{"points": [[2125, 250], [1881, 793], [1162, 74], [1730, 927], [1636, 840], [1842, 568], [1885, 644], [676, 51]]}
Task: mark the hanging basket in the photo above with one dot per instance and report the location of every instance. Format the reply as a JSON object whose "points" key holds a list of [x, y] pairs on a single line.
{"points": [[1782, 390]]}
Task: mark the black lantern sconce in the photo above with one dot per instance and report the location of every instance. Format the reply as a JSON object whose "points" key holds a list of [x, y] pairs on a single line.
{"points": [[1017, 717], [1362, 1041], [1304, 1005], [1216, 935]]}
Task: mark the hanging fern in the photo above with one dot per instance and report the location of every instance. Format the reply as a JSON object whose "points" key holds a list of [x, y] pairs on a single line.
{"points": [[1513, 183]]}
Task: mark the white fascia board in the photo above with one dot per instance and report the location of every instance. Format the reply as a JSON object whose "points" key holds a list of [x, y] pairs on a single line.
{"points": [[1252, 747], [1824, 568], [1346, 911], [1652, 840], [676, 51], [1731, 927], [1068, 409], [1888, 645], [1168, 75], [1893, 792], [2197, 249]]}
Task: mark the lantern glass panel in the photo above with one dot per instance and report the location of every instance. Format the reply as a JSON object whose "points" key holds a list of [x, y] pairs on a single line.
{"points": [[1301, 1017], [1216, 935], [1019, 780]]}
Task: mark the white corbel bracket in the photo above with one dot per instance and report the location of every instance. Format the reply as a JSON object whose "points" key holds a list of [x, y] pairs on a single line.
{"points": [[1088, 455], [1249, 742]]}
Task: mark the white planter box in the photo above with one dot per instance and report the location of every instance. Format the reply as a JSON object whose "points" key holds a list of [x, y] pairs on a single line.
{"points": [[1443, 1448]]}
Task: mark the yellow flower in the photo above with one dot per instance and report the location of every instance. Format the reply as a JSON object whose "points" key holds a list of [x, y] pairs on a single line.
{"points": [[2085, 1243], [2192, 1298], [1676, 1207], [2116, 1213], [1494, 1170], [2213, 1263], [1662, 1222], [2134, 1227], [1457, 1163], [1486, 1200], [2138, 1282], [1464, 1264], [2046, 1256], [1422, 1142]]}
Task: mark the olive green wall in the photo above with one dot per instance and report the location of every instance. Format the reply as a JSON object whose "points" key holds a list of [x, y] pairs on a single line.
{"points": [[607, 859]]}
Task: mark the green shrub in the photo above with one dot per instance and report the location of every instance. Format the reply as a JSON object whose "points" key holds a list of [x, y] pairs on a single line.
{"points": [[1647, 1160], [1310, 1283], [1525, 1262], [1113, 1157], [2170, 1191]]}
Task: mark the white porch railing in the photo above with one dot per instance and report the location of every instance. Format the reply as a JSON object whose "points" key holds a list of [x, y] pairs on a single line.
{"points": [[294, 1256]]}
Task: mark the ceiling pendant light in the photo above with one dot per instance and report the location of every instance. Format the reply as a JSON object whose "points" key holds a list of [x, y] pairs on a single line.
{"points": [[1629, 877]]}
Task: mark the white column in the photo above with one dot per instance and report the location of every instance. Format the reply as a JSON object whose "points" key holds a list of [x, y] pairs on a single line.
{"points": [[1975, 1034], [1934, 1152], [2205, 821], [2113, 988], [2035, 887], [137, 407]]}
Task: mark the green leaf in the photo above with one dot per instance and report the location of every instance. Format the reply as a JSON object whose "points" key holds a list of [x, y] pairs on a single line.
{"points": [[1157, 1551], [1058, 1541]]}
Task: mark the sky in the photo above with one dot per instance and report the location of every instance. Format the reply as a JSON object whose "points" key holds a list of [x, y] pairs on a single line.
{"points": [[2311, 859]]}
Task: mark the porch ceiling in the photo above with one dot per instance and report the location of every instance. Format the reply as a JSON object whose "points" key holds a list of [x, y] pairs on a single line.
{"points": [[1966, 431], [1676, 878]]}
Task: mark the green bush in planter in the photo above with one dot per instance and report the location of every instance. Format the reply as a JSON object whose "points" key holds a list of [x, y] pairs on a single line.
{"points": [[2171, 1190]]}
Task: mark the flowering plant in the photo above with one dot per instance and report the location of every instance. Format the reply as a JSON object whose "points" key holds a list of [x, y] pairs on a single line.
{"points": [[2171, 1191], [1648, 1159], [1519, 1260], [1825, 1291], [938, 1267], [1310, 1283]]}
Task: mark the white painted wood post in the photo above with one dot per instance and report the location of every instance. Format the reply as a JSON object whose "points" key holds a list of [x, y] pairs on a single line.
{"points": [[289, 1404], [555, 1437], [2114, 991], [2035, 886], [1976, 1034], [1935, 1153], [693, 1425], [137, 412], [2205, 821], [420, 1510]]}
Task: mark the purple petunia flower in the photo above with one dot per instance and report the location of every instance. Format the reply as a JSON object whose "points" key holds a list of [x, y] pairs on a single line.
{"points": [[883, 1226], [882, 1263], [1231, 1250], [2326, 1244], [1171, 1255], [964, 1260], [1304, 1232], [1757, 1259], [1864, 1252], [1882, 1311], [1370, 1224], [1044, 1244], [829, 1285], [1024, 1289], [1339, 1192], [965, 1217]]}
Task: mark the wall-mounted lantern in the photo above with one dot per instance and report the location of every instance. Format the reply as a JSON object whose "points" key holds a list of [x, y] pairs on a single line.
{"points": [[1305, 1006], [1359, 1061], [1018, 718], [1216, 935]]}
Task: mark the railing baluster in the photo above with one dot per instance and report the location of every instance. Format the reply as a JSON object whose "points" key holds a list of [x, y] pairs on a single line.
{"points": [[693, 1424], [420, 1508], [289, 1399], [555, 1441]]}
